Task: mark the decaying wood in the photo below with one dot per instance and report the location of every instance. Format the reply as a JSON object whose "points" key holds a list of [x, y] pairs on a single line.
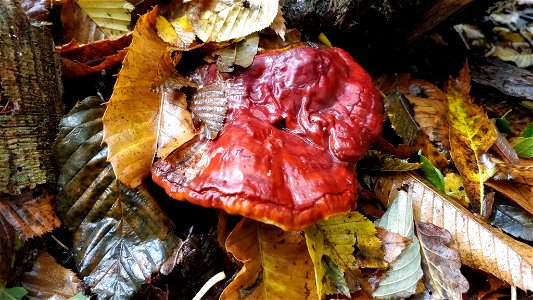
{"points": [[30, 101], [510, 80], [433, 16]]}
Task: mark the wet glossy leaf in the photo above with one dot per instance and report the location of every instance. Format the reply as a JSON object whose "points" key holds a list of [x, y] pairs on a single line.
{"points": [[220, 20], [121, 235], [276, 264], [133, 113], [241, 54], [513, 221], [337, 238], [14, 293], [480, 245], [431, 174], [404, 274], [379, 161], [92, 20], [399, 114], [471, 135], [49, 280], [30, 214], [442, 265]]}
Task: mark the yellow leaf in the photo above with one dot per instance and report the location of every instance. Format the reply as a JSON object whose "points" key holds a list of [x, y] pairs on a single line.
{"points": [[131, 120], [177, 32], [222, 20], [336, 238], [480, 245], [113, 16], [471, 135], [453, 186], [276, 264]]}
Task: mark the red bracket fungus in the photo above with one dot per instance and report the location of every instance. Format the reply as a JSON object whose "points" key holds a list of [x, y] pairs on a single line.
{"points": [[296, 124]]}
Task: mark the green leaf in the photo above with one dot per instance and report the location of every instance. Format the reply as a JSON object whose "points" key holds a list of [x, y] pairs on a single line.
{"points": [[523, 146], [431, 174], [513, 220], [80, 296], [379, 161], [401, 119], [401, 280], [121, 236], [528, 131], [503, 125], [13, 293]]}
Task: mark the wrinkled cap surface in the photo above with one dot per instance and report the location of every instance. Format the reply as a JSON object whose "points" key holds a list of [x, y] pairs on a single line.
{"points": [[297, 123]]}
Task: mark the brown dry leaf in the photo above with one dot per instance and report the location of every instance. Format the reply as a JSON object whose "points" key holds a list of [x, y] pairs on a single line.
{"points": [[441, 264], [422, 143], [521, 172], [78, 60], [278, 25], [92, 20], [276, 264], [132, 117], [49, 280], [471, 135], [392, 243], [521, 194], [220, 20], [428, 103], [30, 214], [430, 114], [480, 245]]}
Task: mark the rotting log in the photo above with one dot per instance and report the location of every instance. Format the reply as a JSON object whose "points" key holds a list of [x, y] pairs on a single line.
{"points": [[30, 101]]}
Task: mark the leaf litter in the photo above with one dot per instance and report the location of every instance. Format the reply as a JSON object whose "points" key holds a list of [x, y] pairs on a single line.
{"points": [[90, 198]]}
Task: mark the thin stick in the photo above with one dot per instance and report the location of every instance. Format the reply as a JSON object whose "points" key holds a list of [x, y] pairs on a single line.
{"points": [[60, 244], [209, 284]]}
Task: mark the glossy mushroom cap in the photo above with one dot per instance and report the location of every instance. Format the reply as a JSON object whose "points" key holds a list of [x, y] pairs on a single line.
{"points": [[297, 123]]}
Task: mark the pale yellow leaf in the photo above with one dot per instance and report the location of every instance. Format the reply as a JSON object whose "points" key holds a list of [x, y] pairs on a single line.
{"points": [[176, 126], [178, 32], [522, 60], [223, 20], [113, 16], [132, 116], [480, 245]]}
